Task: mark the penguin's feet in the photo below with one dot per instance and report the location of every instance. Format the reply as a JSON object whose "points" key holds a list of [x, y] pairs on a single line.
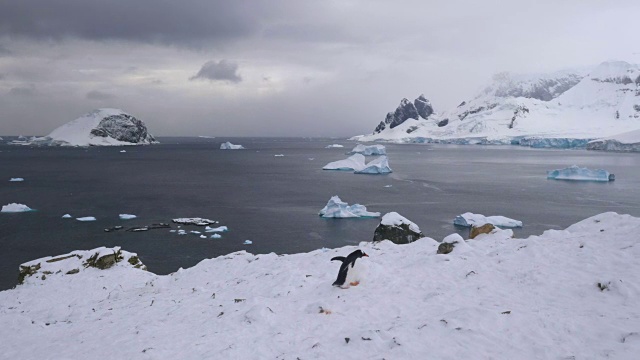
{"points": [[354, 283]]}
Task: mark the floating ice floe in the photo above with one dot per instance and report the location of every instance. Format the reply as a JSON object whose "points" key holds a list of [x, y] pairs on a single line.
{"points": [[67, 216], [203, 236], [127, 216], [353, 162], [15, 207], [388, 186], [194, 221], [333, 146], [339, 209], [86, 218], [369, 150], [229, 146], [195, 232], [215, 236], [218, 229], [16, 179], [470, 219], [248, 242], [377, 166], [278, 155], [577, 173]]}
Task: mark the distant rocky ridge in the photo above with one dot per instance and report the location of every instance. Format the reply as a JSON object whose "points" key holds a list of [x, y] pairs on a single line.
{"points": [[420, 108]]}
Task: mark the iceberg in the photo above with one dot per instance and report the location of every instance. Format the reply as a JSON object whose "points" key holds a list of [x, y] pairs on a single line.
{"points": [[576, 173], [216, 236], [369, 150], [16, 179], [127, 216], [86, 218], [194, 221], [218, 229], [278, 155], [229, 146], [15, 207], [333, 146], [377, 166], [353, 162], [67, 216], [470, 219], [339, 209], [248, 242]]}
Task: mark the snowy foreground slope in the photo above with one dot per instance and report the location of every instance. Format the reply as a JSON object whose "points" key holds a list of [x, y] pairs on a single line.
{"points": [[101, 127], [564, 109], [570, 294]]}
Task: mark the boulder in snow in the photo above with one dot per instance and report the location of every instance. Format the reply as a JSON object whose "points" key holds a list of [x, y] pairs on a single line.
{"points": [[397, 228], [480, 229]]}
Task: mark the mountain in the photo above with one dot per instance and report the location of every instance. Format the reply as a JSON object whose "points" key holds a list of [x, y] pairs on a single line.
{"points": [[561, 109], [101, 127]]}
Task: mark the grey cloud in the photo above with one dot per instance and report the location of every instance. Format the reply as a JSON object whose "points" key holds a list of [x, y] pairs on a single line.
{"points": [[23, 90], [4, 51], [99, 95], [223, 70]]}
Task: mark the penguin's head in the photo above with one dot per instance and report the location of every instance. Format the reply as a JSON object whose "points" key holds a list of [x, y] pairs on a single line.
{"points": [[361, 253]]}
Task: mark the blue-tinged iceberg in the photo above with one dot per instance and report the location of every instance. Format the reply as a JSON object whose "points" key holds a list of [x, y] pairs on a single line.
{"points": [[577, 173], [229, 146], [339, 209], [377, 166], [15, 207], [369, 150], [470, 219], [353, 162]]}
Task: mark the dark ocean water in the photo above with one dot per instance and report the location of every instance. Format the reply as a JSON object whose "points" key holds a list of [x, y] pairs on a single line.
{"points": [[274, 201]]}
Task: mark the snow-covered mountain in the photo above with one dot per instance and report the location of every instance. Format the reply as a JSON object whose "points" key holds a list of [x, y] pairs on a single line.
{"points": [[101, 127], [562, 109]]}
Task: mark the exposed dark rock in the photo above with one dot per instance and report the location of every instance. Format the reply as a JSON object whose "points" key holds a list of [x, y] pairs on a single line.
{"points": [[445, 248], [123, 127], [519, 112], [104, 261], [442, 123], [423, 106], [462, 104], [380, 126], [477, 230], [73, 271], [113, 228], [399, 234], [27, 271], [148, 227], [412, 129]]}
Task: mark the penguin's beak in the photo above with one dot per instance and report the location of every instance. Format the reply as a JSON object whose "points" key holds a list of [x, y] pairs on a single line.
{"points": [[365, 254]]}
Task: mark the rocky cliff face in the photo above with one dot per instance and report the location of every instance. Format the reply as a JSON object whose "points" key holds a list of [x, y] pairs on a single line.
{"points": [[420, 108], [123, 127]]}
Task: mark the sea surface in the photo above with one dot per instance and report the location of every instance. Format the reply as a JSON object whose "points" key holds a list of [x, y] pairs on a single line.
{"points": [[274, 200]]}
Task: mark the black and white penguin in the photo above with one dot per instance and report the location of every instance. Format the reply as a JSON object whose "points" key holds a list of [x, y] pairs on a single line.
{"points": [[347, 274]]}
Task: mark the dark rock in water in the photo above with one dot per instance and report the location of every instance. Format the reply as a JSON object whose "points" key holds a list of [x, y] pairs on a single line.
{"points": [[194, 221], [442, 123], [123, 127], [423, 106], [113, 228], [149, 227], [477, 230]]}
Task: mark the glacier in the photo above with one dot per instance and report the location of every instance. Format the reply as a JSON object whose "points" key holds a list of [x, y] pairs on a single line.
{"points": [[469, 219], [574, 172], [628, 141], [338, 209]]}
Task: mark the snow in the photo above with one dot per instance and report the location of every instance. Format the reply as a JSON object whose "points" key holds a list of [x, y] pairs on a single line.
{"points": [[369, 150], [333, 146], [395, 219], [584, 106], [566, 294], [248, 242], [67, 216], [15, 207], [339, 209], [577, 173], [78, 132], [377, 166], [470, 219], [229, 146], [353, 162], [16, 179], [127, 216], [86, 218]]}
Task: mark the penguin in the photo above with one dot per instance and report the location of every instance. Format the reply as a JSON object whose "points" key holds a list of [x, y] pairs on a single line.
{"points": [[346, 269]]}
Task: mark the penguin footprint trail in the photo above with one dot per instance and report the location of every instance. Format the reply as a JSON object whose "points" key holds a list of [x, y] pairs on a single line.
{"points": [[348, 275]]}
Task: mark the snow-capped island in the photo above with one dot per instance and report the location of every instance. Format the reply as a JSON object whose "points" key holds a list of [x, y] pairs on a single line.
{"points": [[565, 109], [101, 127], [565, 294]]}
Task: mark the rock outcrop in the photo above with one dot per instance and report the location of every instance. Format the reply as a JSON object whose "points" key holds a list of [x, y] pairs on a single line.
{"points": [[420, 108], [423, 106], [398, 229]]}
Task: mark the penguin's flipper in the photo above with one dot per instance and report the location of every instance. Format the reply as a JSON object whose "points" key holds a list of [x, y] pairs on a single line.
{"points": [[341, 258]]}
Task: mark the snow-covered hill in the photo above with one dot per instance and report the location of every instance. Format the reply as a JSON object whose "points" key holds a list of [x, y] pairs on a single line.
{"points": [[566, 294], [102, 127], [563, 109]]}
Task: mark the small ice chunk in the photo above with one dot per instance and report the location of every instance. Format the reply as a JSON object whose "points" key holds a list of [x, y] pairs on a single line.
{"points": [[369, 150], [388, 186], [229, 146], [278, 155], [122, 151], [377, 166], [574, 172], [333, 146], [248, 242], [470, 219], [15, 207], [216, 236], [203, 236], [173, 231], [86, 218], [218, 229], [339, 209], [67, 216], [127, 216], [353, 162], [311, 159], [194, 232], [16, 179]]}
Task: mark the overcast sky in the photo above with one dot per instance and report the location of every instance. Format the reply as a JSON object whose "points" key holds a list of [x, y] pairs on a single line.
{"points": [[283, 68]]}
